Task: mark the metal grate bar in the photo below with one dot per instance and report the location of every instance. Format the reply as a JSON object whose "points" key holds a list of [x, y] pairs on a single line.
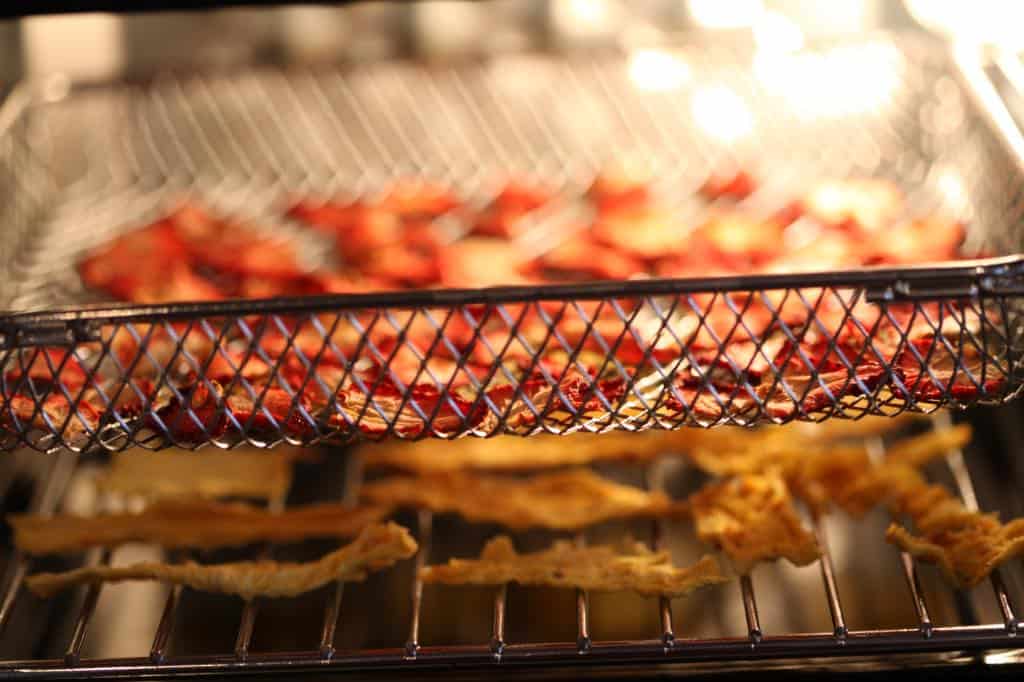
{"points": [[353, 481], [583, 640], [45, 502], [876, 451], [835, 606], [73, 654], [158, 651], [247, 623], [497, 643], [754, 631], [656, 482], [425, 523], [965, 486], [924, 619]]}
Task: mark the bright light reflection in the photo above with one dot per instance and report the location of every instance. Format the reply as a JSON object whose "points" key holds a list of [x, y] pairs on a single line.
{"points": [[725, 13], [951, 185], [776, 32], [655, 70], [721, 113], [845, 80], [993, 21]]}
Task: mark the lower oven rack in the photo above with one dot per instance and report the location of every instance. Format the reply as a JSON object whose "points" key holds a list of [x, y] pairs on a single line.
{"points": [[985, 635]]}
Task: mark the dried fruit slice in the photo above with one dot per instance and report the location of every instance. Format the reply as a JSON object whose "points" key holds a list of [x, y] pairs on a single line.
{"points": [[630, 567], [752, 519], [647, 232], [195, 524], [376, 547], [864, 205], [564, 500]]}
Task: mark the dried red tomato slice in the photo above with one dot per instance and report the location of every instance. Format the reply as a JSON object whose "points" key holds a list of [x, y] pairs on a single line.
{"points": [[278, 412], [417, 198], [813, 393], [402, 264], [617, 188], [147, 266], [48, 365], [646, 232], [198, 417], [580, 259], [961, 372], [55, 414], [863, 205], [738, 185], [480, 262], [924, 240], [229, 247], [740, 241], [503, 217]]}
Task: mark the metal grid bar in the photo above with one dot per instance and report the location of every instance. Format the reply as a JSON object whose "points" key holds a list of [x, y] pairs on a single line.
{"points": [[665, 647]]}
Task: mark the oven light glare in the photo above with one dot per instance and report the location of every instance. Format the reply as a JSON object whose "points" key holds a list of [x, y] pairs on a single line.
{"points": [[655, 70], [725, 13], [776, 32], [721, 113]]}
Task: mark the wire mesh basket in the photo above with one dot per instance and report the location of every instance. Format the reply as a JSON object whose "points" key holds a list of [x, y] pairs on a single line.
{"points": [[79, 168]]}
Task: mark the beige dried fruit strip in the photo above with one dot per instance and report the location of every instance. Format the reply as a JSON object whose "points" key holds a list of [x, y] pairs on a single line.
{"points": [[195, 524], [631, 567], [378, 546], [514, 453], [244, 472], [565, 500]]}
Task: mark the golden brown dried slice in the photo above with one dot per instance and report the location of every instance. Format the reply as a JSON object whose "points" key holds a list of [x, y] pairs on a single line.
{"points": [[566, 500], [847, 477], [752, 519], [512, 453], [968, 546], [197, 524], [377, 547], [601, 569], [245, 472], [854, 429]]}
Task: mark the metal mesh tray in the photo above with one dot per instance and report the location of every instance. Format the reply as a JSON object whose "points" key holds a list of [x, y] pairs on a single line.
{"points": [[82, 165]]}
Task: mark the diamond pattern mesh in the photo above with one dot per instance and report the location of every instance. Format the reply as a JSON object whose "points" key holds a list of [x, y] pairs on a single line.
{"points": [[77, 172]]}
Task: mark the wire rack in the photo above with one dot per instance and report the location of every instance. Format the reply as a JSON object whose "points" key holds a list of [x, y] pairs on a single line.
{"points": [[943, 627], [80, 167]]}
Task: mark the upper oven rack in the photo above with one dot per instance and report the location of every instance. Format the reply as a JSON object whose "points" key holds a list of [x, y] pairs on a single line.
{"points": [[79, 168]]}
